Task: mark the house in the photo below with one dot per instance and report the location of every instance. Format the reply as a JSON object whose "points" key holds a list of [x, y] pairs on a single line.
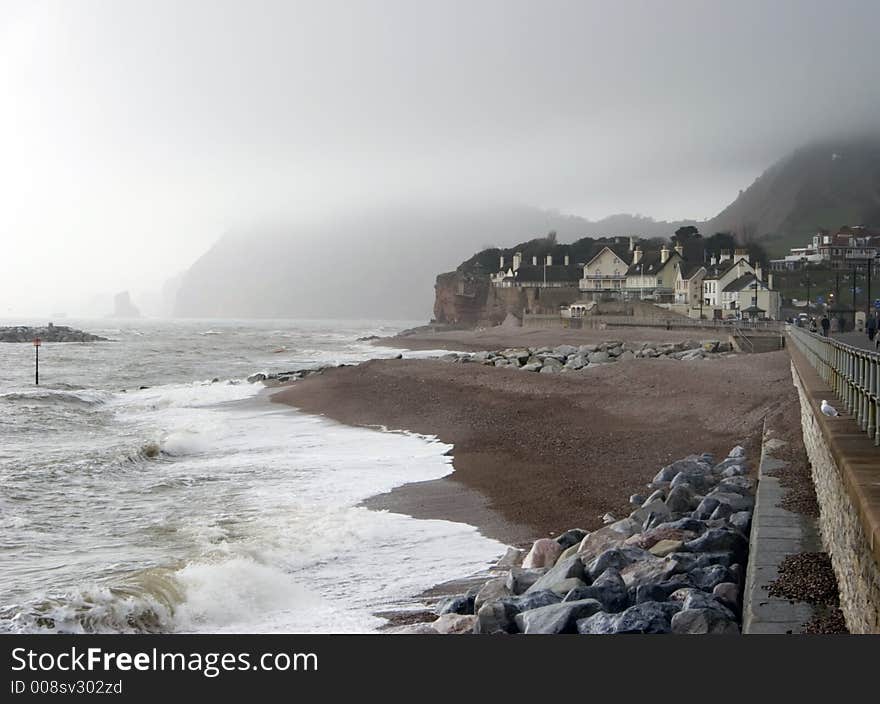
{"points": [[734, 287], [721, 271], [848, 246], [542, 272], [606, 272], [652, 275], [689, 283], [749, 297]]}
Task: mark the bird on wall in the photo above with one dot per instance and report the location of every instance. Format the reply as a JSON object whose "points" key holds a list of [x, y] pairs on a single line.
{"points": [[828, 409]]}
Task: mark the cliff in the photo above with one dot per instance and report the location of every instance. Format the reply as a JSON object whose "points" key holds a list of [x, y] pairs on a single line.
{"points": [[826, 184]]}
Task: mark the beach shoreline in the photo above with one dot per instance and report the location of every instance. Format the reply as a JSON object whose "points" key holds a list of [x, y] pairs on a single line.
{"points": [[534, 455]]}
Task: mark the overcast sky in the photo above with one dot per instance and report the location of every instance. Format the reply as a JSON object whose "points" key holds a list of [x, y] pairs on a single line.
{"points": [[133, 134]]}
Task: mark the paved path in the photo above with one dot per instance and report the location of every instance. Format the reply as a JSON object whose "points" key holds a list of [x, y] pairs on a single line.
{"points": [[856, 339]]}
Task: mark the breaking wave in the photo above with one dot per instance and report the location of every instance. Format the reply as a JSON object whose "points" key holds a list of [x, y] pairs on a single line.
{"points": [[86, 397]]}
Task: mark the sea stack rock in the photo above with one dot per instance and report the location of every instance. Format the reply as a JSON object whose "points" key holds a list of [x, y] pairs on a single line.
{"points": [[123, 307]]}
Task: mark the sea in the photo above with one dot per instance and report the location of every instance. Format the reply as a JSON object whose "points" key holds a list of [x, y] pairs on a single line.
{"points": [[146, 486]]}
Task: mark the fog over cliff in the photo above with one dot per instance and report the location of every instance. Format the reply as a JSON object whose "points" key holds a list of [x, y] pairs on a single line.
{"points": [[135, 134], [320, 269]]}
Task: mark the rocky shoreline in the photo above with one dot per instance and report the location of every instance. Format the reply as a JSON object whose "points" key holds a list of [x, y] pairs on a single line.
{"points": [[47, 333], [676, 564], [570, 358]]}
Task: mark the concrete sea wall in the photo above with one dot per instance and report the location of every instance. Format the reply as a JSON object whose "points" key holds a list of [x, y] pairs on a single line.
{"points": [[846, 473]]}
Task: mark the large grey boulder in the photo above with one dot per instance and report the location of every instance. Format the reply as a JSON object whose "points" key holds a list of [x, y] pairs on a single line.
{"points": [[697, 480], [462, 604], [544, 553], [565, 350], [566, 568], [702, 622], [615, 558], [737, 485], [707, 578], [556, 618], [737, 502], [576, 362], [742, 520], [519, 579], [454, 623], [531, 367], [606, 537], [652, 513], [681, 499], [496, 617], [572, 536], [499, 616], [650, 571], [598, 357], [647, 617], [718, 540], [492, 590], [694, 463], [608, 588]]}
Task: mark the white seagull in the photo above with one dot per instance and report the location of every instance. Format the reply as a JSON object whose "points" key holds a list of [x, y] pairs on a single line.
{"points": [[828, 409]]}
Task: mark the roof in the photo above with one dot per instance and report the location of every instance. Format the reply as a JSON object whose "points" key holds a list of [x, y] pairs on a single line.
{"points": [[620, 251], [742, 282], [690, 269], [554, 272], [719, 270], [650, 263]]}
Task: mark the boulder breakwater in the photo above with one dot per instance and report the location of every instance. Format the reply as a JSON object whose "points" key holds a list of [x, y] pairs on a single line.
{"points": [[569, 358], [676, 564], [47, 333]]}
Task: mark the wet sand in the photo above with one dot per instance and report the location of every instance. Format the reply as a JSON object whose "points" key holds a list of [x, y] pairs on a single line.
{"points": [[536, 454]]}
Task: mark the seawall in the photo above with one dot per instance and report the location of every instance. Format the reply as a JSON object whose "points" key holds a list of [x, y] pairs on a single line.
{"points": [[846, 473]]}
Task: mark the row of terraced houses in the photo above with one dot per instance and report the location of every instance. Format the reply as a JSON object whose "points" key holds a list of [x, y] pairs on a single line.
{"points": [[727, 285]]}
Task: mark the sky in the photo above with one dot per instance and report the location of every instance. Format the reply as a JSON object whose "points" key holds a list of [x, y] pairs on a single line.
{"points": [[134, 134]]}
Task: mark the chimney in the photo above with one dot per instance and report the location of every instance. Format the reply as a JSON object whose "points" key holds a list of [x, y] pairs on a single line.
{"points": [[679, 247], [517, 260], [770, 281], [759, 273], [534, 261], [725, 255], [632, 243], [712, 261], [549, 260], [741, 253], [566, 260], [502, 262], [664, 254], [637, 254]]}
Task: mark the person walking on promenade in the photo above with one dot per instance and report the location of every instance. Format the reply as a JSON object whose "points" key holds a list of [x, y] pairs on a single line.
{"points": [[871, 326], [825, 325]]}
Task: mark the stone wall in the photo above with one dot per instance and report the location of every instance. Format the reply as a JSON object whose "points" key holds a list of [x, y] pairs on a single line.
{"points": [[843, 533]]}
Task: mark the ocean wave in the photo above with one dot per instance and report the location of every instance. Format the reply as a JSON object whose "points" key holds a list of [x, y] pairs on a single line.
{"points": [[144, 603], [200, 596], [86, 397]]}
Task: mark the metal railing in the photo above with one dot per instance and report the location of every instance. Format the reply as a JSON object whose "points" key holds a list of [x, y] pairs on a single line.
{"points": [[852, 373], [745, 344]]}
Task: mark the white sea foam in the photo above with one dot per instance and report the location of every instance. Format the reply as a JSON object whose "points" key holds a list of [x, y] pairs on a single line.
{"points": [[201, 507]]}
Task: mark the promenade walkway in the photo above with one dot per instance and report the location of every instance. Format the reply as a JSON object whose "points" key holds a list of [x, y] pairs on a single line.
{"points": [[856, 339]]}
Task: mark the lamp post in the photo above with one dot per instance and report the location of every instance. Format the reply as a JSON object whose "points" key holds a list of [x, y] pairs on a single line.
{"points": [[808, 283], [855, 270]]}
